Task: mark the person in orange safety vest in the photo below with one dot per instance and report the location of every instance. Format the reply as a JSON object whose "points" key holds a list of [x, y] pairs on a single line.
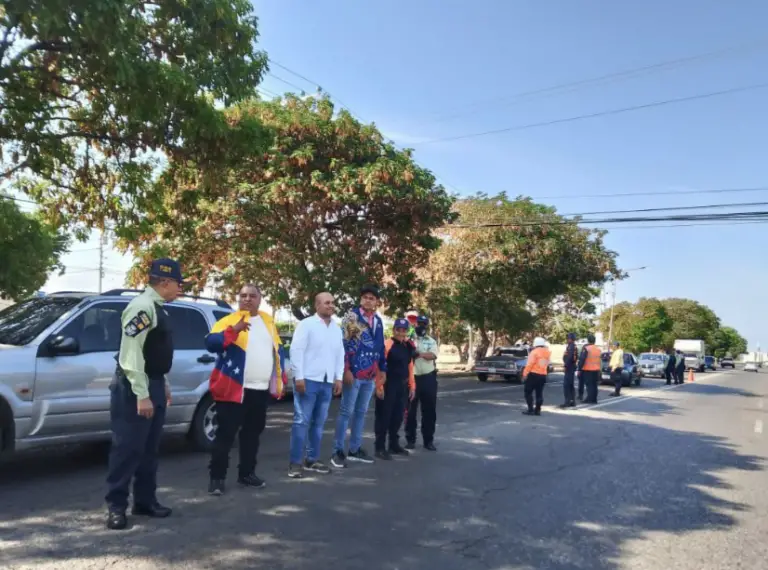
{"points": [[589, 368], [535, 376]]}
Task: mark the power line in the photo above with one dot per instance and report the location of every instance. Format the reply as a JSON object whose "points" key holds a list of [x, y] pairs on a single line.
{"points": [[673, 208], [287, 82], [653, 193], [601, 113], [627, 73]]}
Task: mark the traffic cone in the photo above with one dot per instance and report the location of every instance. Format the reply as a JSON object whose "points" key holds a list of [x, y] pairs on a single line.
{"points": [[690, 375]]}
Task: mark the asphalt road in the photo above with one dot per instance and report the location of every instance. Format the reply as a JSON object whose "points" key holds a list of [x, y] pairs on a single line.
{"points": [[666, 477]]}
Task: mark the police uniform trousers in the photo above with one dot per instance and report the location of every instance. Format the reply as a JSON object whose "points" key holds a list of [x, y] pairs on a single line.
{"points": [[426, 397], [616, 376], [680, 374], [569, 391], [590, 378], [670, 373], [389, 414], [534, 383], [135, 444]]}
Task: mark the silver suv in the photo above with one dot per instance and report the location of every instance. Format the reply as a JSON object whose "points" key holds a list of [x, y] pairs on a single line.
{"points": [[57, 357]]}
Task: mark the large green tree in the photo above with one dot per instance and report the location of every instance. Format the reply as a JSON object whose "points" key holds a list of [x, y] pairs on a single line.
{"points": [[29, 250], [726, 341], [504, 262], [691, 320], [93, 93], [328, 206]]}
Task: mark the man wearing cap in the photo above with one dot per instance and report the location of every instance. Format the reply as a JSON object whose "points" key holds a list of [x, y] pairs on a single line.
{"points": [[426, 389], [616, 366], [139, 397], [412, 317], [570, 359], [364, 363], [590, 364]]}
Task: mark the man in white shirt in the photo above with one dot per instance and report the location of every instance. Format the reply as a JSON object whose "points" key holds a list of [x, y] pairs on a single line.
{"points": [[317, 357], [248, 349]]}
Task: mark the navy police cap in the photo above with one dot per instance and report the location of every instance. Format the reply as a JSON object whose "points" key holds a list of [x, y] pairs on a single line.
{"points": [[166, 268], [402, 324], [422, 320]]}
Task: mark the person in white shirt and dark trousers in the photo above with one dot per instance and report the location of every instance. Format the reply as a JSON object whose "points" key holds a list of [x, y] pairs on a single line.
{"points": [[248, 372], [317, 357]]}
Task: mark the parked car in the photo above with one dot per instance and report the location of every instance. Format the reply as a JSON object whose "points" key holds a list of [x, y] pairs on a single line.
{"points": [[710, 363], [286, 340], [57, 359], [507, 362], [630, 374], [750, 367], [727, 362], [653, 364]]}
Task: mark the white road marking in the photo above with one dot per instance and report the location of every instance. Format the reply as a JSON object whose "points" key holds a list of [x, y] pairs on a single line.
{"points": [[758, 426]]}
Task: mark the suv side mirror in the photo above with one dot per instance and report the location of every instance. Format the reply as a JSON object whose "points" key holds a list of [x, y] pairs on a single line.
{"points": [[62, 345]]}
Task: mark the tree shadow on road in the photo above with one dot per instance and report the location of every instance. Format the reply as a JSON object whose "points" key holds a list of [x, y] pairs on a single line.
{"points": [[504, 491]]}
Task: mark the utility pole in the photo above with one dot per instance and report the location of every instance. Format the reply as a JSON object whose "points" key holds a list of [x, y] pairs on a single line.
{"points": [[101, 261], [610, 325]]}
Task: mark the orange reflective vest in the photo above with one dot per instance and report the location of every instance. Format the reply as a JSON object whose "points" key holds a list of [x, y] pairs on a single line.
{"points": [[538, 361], [592, 362]]}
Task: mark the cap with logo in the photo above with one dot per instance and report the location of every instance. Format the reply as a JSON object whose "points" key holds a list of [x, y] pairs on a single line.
{"points": [[423, 320], [402, 324], [166, 268], [370, 289]]}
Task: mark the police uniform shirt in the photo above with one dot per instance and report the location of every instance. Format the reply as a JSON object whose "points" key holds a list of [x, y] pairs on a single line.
{"points": [[139, 317], [425, 344]]}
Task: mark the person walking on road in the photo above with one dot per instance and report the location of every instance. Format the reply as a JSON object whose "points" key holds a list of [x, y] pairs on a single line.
{"points": [[365, 365], [426, 389], [317, 357], [680, 368], [590, 363], [247, 374], [670, 371], [139, 396], [392, 390], [535, 376], [570, 360], [616, 367]]}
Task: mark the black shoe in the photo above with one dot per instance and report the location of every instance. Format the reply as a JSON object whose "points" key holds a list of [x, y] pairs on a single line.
{"points": [[567, 405], [614, 395], [669, 383], [383, 454], [528, 412], [251, 481], [116, 520], [590, 401], [295, 471], [317, 467], [537, 412], [156, 511], [398, 450], [216, 487], [430, 446], [410, 445], [360, 455], [339, 460]]}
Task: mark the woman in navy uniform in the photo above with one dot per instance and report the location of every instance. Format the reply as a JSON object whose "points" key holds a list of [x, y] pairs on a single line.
{"points": [[139, 397]]}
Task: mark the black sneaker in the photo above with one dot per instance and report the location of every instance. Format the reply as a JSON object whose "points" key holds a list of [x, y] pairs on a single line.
{"points": [[528, 412], [430, 446], [360, 455], [116, 520], [339, 460], [410, 445], [216, 487], [399, 451], [317, 467], [251, 481], [295, 471], [383, 454]]}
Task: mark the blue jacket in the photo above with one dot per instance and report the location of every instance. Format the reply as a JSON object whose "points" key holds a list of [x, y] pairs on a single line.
{"points": [[364, 355]]}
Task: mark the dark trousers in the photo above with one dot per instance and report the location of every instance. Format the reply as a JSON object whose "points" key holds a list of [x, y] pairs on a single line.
{"points": [[669, 375], [616, 376], [590, 379], [389, 414], [534, 384], [426, 397], [582, 384], [249, 418], [135, 444], [680, 374], [569, 392]]}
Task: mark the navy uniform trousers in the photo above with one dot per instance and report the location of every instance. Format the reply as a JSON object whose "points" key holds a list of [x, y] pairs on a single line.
{"points": [[135, 444]]}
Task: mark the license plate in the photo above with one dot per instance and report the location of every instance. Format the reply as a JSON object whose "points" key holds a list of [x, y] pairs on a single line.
{"points": [[606, 376], [491, 371]]}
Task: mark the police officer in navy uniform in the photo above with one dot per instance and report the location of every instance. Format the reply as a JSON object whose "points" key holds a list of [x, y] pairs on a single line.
{"points": [[139, 397]]}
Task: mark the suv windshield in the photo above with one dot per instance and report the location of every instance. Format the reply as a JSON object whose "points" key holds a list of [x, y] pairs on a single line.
{"points": [[651, 356], [22, 322], [514, 352]]}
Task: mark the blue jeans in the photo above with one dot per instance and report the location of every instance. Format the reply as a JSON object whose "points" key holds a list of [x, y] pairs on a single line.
{"points": [[354, 403], [310, 410]]}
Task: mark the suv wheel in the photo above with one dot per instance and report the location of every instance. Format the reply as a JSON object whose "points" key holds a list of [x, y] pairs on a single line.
{"points": [[482, 377], [7, 435], [204, 424]]}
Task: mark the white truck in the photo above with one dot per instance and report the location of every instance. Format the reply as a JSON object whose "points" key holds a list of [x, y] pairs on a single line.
{"points": [[694, 352]]}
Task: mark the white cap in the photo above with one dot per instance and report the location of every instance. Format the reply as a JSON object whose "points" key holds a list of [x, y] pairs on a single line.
{"points": [[539, 341]]}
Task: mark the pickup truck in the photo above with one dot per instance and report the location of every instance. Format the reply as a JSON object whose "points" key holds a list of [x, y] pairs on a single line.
{"points": [[507, 362]]}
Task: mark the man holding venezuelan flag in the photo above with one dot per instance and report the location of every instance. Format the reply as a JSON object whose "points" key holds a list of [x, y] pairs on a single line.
{"points": [[249, 370]]}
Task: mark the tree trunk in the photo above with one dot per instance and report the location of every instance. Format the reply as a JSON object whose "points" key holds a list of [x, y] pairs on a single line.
{"points": [[482, 347], [464, 353]]}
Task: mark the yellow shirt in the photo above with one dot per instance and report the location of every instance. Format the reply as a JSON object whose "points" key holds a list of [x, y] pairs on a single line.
{"points": [[617, 359]]}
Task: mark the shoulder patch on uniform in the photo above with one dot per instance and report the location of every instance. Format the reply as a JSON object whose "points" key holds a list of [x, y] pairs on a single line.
{"points": [[137, 324]]}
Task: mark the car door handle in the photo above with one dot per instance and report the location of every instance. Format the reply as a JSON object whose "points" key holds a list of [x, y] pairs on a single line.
{"points": [[206, 359]]}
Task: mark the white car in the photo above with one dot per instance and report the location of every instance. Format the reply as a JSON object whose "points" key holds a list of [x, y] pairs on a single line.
{"points": [[750, 367]]}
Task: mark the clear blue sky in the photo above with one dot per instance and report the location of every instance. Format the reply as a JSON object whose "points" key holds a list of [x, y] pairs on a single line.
{"points": [[406, 65]]}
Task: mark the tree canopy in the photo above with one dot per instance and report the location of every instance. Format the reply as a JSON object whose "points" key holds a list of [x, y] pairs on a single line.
{"points": [[504, 262], [29, 250], [328, 205], [92, 91]]}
